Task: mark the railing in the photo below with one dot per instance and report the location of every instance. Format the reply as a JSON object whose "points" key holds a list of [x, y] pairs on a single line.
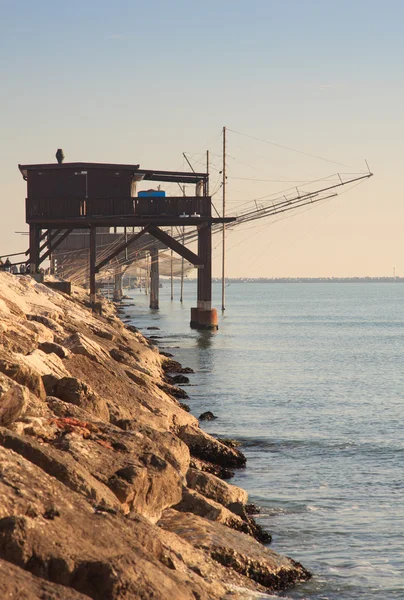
{"points": [[110, 207]]}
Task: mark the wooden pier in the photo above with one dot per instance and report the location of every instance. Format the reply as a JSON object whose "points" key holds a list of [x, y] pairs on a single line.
{"points": [[62, 197]]}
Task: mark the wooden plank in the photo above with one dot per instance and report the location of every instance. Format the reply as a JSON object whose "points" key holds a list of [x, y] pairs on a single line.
{"points": [[121, 221], [176, 246], [121, 248], [54, 245]]}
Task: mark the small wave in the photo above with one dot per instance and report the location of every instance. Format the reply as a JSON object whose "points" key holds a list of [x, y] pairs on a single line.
{"points": [[246, 594]]}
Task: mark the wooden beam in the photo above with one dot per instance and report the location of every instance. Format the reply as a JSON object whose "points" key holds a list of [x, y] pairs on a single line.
{"points": [[34, 235], [121, 248], [49, 236], [176, 246], [122, 221], [53, 246]]}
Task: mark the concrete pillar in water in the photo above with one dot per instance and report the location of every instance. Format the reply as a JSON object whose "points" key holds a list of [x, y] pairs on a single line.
{"points": [[204, 316], [154, 277], [118, 293]]}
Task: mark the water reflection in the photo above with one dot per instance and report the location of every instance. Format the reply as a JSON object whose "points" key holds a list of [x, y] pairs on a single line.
{"points": [[204, 339]]}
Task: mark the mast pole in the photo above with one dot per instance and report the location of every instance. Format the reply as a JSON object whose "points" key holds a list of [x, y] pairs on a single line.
{"points": [[171, 270], [207, 172], [182, 258], [224, 226]]}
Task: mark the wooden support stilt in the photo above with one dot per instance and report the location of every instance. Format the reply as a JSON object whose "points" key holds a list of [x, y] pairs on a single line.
{"points": [[93, 257], [171, 270], [154, 277], [34, 236]]}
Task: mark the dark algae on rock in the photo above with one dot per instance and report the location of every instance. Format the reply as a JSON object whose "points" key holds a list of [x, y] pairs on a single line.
{"points": [[109, 488]]}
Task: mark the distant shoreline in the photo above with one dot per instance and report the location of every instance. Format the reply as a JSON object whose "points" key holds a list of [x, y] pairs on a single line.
{"points": [[303, 280]]}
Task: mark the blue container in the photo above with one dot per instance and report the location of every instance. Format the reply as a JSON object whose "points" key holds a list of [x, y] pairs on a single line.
{"points": [[152, 194]]}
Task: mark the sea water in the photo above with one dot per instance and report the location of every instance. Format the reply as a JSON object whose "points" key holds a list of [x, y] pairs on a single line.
{"points": [[310, 379]]}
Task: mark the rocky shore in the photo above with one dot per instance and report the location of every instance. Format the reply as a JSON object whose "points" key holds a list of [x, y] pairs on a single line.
{"points": [[109, 488]]}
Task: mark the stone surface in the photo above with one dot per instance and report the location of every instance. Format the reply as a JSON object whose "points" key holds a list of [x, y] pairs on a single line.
{"points": [[81, 344], [236, 550], [17, 584], [196, 503], [13, 403], [207, 416], [204, 446], [71, 389], [52, 347], [214, 488], [99, 554], [58, 464], [23, 374], [208, 467]]}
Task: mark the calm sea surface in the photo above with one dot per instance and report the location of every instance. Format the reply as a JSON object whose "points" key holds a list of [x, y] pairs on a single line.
{"points": [[310, 378]]}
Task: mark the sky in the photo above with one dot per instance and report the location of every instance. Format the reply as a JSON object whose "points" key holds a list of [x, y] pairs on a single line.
{"points": [[142, 82]]}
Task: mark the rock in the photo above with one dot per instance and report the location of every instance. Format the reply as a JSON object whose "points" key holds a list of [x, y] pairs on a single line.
{"points": [[56, 535], [229, 442], [194, 502], [172, 366], [103, 333], [58, 464], [214, 488], [174, 391], [138, 379], [118, 355], [18, 338], [81, 344], [208, 467], [185, 407], [149, 490], [18, 584], [180, 379], [207, 416], [132, 328], [153, 328], [12, 404], [236, 550], [52, 347], [206, 447], [45, 364], [79, 393], [22, 374], [47, 321], [166, 354], [43, 333]]}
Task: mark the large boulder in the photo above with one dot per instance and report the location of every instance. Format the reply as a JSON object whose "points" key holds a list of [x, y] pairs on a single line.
{"points": [[79, 393], [81, 344], [22, 373], [236, 550], [195, 503], [18, 584], [13, 404], [58, 464], [214, 488], [57, 536], [206, 447]]}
